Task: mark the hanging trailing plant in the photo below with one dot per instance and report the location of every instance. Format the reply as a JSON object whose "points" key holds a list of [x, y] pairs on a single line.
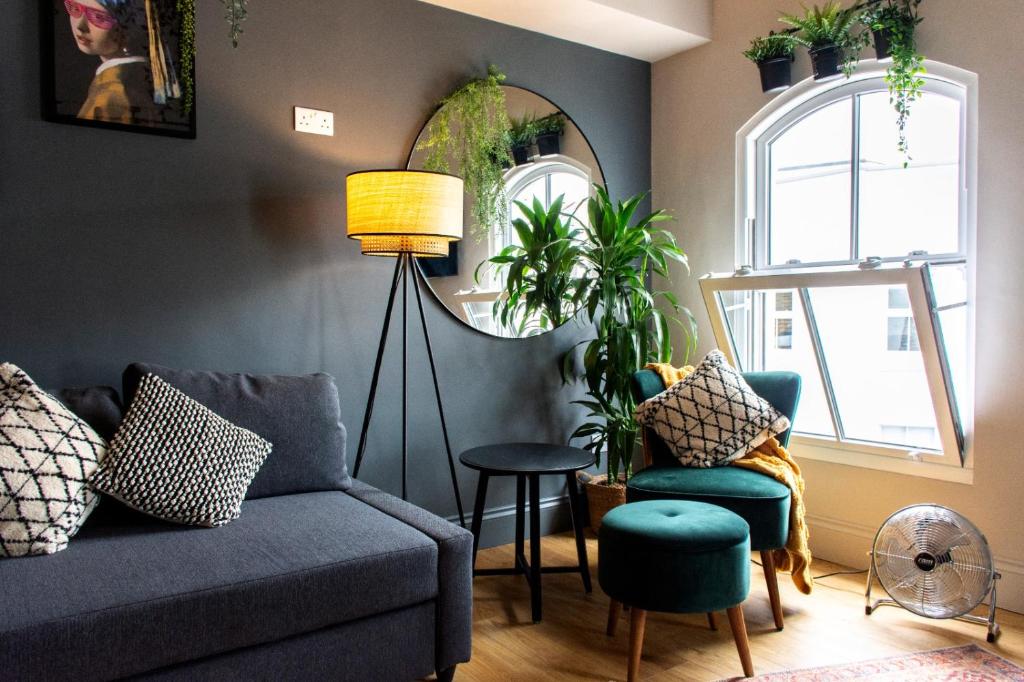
{"points": [[469, 136], [237, 11], [187, 50], [895, 22]]}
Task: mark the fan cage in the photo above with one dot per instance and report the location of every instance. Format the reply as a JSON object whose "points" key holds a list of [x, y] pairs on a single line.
{"points": [[933, 561]]}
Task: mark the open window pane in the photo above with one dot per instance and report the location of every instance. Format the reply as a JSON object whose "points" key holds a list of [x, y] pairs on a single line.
{"points": [[784, 309], [875, 364], [914, 208], [809, 187], [737, 307], [949, 283], [786, 346]]}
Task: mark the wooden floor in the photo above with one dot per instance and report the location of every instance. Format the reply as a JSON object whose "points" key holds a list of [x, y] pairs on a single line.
{"points": [[828, 627]]}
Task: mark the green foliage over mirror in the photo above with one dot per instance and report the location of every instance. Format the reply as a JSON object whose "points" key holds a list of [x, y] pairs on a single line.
{"points": [[469, 132]]}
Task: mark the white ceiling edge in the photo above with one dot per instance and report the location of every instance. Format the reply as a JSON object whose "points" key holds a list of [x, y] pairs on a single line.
{"points": [[643, 29]]}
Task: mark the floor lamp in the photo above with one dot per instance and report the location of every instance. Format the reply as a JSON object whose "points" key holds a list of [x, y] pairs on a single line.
{"points": [[406, 215]]}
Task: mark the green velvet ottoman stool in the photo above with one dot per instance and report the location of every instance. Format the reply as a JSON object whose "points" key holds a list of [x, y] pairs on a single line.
{"points": [[675, 556]]}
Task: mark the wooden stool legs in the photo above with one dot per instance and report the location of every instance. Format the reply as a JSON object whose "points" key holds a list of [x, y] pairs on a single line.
{"points": [[711, 620], [614, 613], [739, 633], [772, 578], [638, 622], [636, 642]]}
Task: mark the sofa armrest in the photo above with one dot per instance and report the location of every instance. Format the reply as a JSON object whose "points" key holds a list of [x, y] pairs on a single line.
{"points": [[454, 567]]}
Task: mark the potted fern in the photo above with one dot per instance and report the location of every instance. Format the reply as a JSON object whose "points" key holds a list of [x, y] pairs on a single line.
{"points": [[542, 289], [548, 131], [621, 253], [469, 131], [521, 134], [893, 24], [825, 32], [773, 55]]}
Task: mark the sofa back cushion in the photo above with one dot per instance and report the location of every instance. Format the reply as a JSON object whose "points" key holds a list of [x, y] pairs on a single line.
{"points": [[299, 415], [98, 406]]}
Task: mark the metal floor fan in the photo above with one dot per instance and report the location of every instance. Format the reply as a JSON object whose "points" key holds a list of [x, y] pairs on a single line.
{"points": [[934, 562]]}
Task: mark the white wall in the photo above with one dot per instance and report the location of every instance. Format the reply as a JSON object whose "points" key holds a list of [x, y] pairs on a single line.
{"points": [[703, 96]]}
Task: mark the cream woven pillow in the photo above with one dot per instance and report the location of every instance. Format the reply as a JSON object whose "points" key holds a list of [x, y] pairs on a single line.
{"points": [[47, 455], [712, 417]]}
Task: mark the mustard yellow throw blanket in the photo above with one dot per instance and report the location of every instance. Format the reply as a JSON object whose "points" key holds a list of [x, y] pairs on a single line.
{"points": [[771, 459]]}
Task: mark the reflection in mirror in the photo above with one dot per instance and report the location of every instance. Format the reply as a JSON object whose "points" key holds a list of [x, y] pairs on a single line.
{"points": [[552, 167]]}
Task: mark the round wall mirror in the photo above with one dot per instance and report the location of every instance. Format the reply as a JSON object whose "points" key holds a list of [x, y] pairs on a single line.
{"points": [[465, 282]]}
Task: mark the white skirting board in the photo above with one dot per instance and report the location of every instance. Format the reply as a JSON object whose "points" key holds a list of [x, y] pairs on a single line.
{"points": [[849, 543]]}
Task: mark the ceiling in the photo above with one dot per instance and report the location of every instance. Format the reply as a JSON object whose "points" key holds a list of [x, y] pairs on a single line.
{"points": [[643, 29]]}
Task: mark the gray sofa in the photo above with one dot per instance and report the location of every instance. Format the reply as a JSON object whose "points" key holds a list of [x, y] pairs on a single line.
{"points": [[322, 577]]}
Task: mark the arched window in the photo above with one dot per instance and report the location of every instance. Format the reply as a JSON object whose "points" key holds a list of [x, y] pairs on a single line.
{"points": [[854, 263], [545, 180]]}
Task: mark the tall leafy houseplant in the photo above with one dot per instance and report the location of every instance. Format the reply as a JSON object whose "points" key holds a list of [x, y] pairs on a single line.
{"points": [[826, 32], [621, 252], [895, 22], [469, 131], [542, 290]]}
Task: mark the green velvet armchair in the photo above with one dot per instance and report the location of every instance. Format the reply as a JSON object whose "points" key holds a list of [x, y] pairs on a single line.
{"points": [[762, 501]]}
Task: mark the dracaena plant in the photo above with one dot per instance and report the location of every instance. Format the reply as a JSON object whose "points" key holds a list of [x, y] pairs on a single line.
{"points": [[898, 20], [620, 253], [543, 284]]}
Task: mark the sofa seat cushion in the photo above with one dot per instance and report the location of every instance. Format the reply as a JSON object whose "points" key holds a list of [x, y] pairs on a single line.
{"points": [[148, 594], [760, 500]]}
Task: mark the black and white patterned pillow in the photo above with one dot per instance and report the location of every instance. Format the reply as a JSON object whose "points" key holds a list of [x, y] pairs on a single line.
{"points": [[712, 417], [47, 455], [179, 461]]}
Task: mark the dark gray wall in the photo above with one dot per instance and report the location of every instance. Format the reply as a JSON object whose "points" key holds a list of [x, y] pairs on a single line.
{"points": [[228, 252]]}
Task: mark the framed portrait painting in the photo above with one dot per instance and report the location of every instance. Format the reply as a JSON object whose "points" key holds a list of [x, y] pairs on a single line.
{"points": [[120, 64]]}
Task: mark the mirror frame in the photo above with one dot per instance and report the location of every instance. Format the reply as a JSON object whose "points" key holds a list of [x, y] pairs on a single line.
{"points": [[433, 292]]}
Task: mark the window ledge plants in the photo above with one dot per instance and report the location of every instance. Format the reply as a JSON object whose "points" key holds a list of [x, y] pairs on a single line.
{"points": [[773, 55], [834, 43], [825, 32]]}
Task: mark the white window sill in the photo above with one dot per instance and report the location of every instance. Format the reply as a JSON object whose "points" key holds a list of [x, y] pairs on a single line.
{"points": [[846, 454]]}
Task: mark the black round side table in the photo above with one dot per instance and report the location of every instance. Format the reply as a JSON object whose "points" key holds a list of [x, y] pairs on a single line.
{"points": [[530, 461]]}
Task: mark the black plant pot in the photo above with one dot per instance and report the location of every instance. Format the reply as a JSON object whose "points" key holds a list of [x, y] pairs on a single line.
{"points": [[548, 144], [883, 44], [827, 62], [521, 154], [506, 163], [776, 74]]}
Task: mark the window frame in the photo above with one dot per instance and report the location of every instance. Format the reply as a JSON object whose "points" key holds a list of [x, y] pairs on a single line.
{"points": [[518, 177], [751, 261], [808, 96]]}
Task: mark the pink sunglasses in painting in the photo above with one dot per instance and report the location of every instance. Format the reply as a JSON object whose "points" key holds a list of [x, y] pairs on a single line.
{"points": [[97, 17]]}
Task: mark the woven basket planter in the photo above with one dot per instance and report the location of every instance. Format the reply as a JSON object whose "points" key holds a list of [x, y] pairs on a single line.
{"points": [[602, 498]]}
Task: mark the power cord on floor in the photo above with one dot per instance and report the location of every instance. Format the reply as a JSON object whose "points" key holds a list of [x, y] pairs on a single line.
{"points": [[826, 575]]}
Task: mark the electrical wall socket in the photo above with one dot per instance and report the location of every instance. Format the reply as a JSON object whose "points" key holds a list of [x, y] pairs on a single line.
{"points": [[314, 121]]}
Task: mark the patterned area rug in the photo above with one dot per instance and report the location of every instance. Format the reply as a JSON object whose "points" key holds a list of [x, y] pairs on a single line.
{"points": [[968, 663]]}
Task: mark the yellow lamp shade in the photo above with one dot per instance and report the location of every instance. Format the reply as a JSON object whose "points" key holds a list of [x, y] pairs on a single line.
{"points": [[392, 212]]}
